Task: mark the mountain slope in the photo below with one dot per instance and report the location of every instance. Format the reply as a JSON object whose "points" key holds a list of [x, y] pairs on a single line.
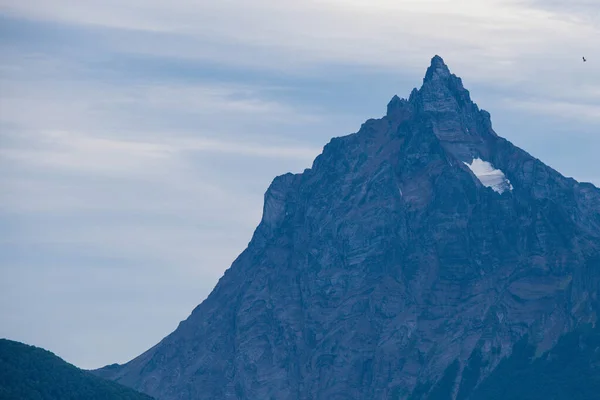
{"points": [[570, 370], [409, 248], [31, 373]]}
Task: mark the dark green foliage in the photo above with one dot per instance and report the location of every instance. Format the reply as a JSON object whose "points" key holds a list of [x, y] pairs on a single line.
{"points": [[31, 373], [570, 371]]}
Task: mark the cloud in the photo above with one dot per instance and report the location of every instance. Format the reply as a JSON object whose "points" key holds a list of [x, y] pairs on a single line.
{"points": [[490, 35], [75, 151], [60, 102], [525, 46], [558, 109], [585, 11], [117, 188]]}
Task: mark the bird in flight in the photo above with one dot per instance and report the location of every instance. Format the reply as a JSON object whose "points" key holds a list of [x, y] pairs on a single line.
{"points": [[584, 60]]}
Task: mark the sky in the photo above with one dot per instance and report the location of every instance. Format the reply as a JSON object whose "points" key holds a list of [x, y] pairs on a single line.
{"points": [[137, 137]]}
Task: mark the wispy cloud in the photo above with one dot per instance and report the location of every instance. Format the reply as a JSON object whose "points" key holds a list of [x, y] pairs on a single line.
{"points": [[585, 11], [490, 36], [558, 109], [110, 179], [59, 103], [80, 152]]}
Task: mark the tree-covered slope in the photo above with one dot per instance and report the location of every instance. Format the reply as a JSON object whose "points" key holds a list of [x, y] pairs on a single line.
{"points": [[32, 373], [570, 371]]}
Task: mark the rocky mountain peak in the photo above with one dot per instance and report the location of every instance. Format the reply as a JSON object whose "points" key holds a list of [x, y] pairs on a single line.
{"points": [[442, 91], [437, 71], [461, 127], [405, 264], [442, 94], [397, 107]]}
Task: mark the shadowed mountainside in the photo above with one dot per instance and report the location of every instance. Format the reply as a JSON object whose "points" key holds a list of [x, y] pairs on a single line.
{"points": [[413, 252]]}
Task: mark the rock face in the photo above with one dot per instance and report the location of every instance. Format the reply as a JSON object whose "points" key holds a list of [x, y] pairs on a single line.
{"points": [[388, 267]]}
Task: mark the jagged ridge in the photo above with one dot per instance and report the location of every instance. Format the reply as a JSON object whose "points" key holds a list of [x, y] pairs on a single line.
{"points": [[380, 271]]}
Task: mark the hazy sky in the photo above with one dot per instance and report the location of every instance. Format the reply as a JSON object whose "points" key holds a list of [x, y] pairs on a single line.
{"points": [[137, 137]]}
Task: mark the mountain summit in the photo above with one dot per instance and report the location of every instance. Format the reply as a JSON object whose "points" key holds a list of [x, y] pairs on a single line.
{"points": [[407, 263], [438, 70]]}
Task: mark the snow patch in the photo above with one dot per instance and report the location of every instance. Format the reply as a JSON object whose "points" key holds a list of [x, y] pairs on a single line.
{"points": [[489, 176]]}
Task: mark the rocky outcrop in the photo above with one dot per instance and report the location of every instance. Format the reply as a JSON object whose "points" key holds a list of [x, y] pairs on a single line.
{"points": [[384, 270]]}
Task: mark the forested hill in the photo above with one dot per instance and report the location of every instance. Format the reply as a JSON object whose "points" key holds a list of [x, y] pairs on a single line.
{"points": [[32, 373]]}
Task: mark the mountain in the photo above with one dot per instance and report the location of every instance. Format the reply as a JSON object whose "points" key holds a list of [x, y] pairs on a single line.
{"points": [[408, 262], [31, 373], [570, 370]]}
